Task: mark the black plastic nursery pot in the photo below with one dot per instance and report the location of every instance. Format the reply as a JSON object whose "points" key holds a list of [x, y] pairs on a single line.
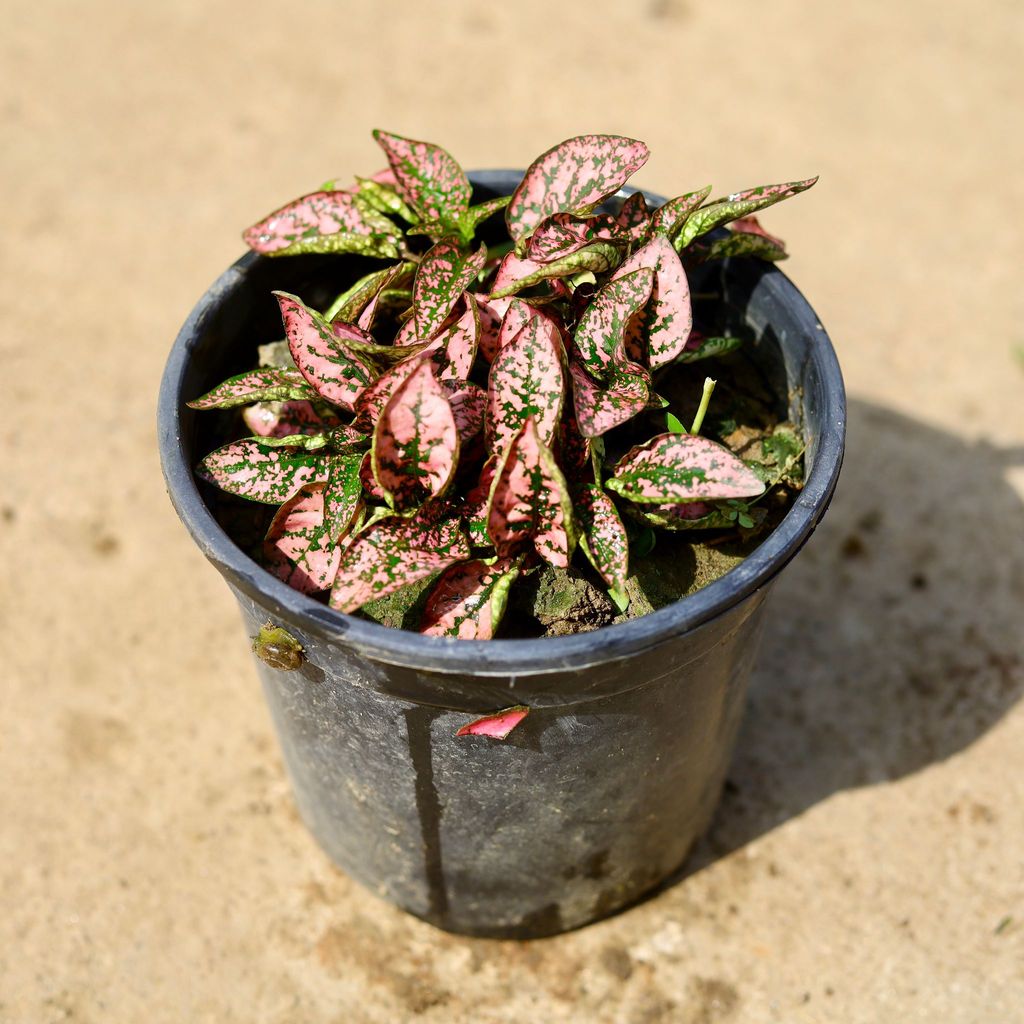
{"points": [[599, 794]]}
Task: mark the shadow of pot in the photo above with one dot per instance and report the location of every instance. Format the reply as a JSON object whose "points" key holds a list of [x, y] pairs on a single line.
{"points": [[600, 793]]}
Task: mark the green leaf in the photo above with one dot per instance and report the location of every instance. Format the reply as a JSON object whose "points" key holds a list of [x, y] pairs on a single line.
{"points": [[735, 206], [385, 199], [598, 258], [674, 424], [268, 385], [709, 348]]}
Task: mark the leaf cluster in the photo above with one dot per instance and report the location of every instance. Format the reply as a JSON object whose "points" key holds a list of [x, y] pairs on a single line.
{"points": [[458, 413]]}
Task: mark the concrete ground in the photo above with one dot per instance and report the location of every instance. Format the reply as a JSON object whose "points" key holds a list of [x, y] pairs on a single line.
{"points": [[867, 864]]}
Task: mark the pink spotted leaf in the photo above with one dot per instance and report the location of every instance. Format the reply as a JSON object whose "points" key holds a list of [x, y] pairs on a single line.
{"points": [[746, 238], [468, 402], [324, 222], [571, 177], [428, 177], [496, 726], [515, 274], [492, 312], [298, 549], [351, 304], [469, 599], [707, 348], [283, 419], [675, 468], [604, 539], [663, 325], [444, 273], [250, 470], [342, 494], [385, 198], [600, 331], [530, 501], [332, 369], [668, 218], [601, 407], [735, 206], [271, 384], [394, 551], [415, 443], [564, 233], [526, 382]]}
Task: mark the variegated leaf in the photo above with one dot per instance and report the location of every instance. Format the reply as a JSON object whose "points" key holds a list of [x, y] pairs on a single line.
{"points": [[456, 343], [693, 515], [600, 408], [469, 599], [530, 501], [517, 316], [415, 443], [564, 233], [307, 442], [467, 223], [515, 274], [381, 247], [604, 537], [573, 448], [674, 468], [664, 323], [283, 419], [668, 218], [372, 400], [699, 347], [342, 494], [492, 312], [394, 551], [525, 382], [496, 726], [476, 503], [428, 177], [444, 273], [384, 198], [345, 440], [338, 219], [351, 302], [571, 177], [735, 206], [252, 471], [600, 331], [298, 549], [468, 402], [396, 276], [267, 385], [746, 238], [370, 486], [334, 371]]}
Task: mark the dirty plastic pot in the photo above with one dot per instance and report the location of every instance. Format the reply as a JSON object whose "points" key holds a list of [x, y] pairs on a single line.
{"points": [[600, 793]]}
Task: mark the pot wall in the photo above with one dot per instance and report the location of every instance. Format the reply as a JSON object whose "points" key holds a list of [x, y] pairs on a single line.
{"points": [[588, 803]]}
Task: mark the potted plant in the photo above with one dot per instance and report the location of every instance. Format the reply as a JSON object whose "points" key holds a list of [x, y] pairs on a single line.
{"points": [[503, 425]]}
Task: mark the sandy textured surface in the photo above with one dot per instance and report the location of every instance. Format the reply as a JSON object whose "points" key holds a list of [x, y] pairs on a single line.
{"points": [[867, 864]]}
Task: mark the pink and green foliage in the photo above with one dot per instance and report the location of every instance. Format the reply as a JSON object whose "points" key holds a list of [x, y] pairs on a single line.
{"points": [[683, 467], [415, 442], [601, 330], [604, 538], [496, 726], [250, 470], [735, 207], [530, 501], [469, 599], [270, 384], [395, 551], [334, 371], [525, 382], [444, 273], [571, 177], [662, 327], [299, 548], [392, 463], [283, 419], [428, 178], [324, 222]]}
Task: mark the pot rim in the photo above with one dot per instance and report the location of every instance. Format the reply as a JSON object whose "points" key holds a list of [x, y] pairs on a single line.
{"points": [[500, 657]]}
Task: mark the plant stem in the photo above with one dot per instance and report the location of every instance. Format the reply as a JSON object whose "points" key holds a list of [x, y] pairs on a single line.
{"points": [[705, 398]]}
